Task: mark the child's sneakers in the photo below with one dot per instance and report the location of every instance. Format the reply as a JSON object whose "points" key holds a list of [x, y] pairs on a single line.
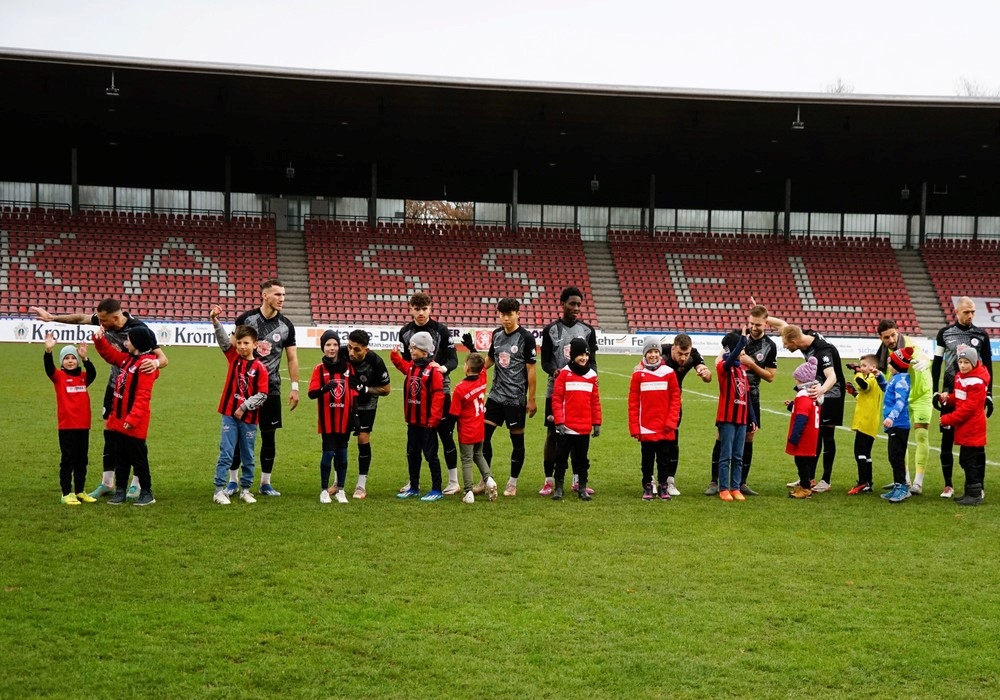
{"points": [[916, 489], [479, 487], [432, 495], [800, 493], [145, 498], [246, 496], [360, 494], [647, 492], [511, 489], [221, 498], [546, 489], [85, 497], [405, 487], [409, 493], [584, 493], [899, 493], [948, 492], [590, 491], [231, 488], [821, 487], [133, 492], [268, 490], [725, 495], [665, 492], [324, 497], [859, 489], [117, 498], [491, 488], [737, 495], [70, 499], [451, 488], [469, 497], [671, 488], [340, 496], [101, 490], [713, 488]]}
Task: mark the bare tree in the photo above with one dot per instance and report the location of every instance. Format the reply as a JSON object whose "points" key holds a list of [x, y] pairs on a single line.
{"points": [[965, 87], [839, 87], [438, 210]]}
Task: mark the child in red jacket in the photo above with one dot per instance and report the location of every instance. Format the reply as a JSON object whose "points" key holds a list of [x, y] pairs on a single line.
{"points": [[576, 409], [331, 387], [423, 407], [73, 411], [654, 407], [468, 405], [128, 419], [803, 428], [969, 422]]}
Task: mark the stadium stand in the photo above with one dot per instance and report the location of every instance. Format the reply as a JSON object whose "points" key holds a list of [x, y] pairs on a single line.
{"points": [[163, 266], [363, 276], [702, 282], [962, 267]]}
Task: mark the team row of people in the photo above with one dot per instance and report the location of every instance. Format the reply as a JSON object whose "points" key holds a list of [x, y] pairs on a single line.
{"points": [[347, 385]]}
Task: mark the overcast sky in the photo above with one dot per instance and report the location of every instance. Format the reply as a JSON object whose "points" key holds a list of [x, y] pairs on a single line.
{"points": [[901, 48]]}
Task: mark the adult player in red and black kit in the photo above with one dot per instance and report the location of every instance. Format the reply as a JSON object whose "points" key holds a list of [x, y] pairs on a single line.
{"points": [[962, 332], [556, 338], [447, 360], [275, 333], [116, 324], [681, 356]]}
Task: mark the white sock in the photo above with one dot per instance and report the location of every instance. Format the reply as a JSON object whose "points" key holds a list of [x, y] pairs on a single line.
{"points": [[265, 478], [362, 480], [512, 481], [453, 476], [907, 476], [576, 478], [918, 480], [550, 480], [234, 475], [135, 481], [108, 479]]}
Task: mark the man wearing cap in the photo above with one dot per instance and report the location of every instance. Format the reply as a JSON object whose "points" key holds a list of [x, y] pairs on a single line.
{"points": [[116, 324], [921, 395], [446, 360], [830, 374], [961, 332]]}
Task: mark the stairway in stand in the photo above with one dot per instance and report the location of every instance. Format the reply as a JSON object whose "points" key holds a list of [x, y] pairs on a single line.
{"points": [[608, 305], [928, 311], [293, 273]]}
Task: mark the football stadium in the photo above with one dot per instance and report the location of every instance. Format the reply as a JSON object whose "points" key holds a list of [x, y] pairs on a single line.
{"points": [[176, 188]]}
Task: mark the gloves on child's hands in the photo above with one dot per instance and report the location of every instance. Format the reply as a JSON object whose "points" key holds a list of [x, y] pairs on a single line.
{"points": [[561, 429], [989, 406], [851, 390], [468, 342], [597, 431]]}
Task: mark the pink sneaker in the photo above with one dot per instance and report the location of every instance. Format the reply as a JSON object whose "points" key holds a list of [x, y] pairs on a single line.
{"points": [[546, 489], [590, 491]]}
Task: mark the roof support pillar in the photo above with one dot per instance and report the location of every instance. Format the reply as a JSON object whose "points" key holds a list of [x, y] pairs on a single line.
{"points": [[652, 205], [227, 193], [74, 182], [922, 230], [373, 199], [513, 202], [788, 209]]}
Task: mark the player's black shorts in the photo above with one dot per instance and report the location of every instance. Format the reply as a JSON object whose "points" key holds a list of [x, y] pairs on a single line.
{"points": [[832, 411], [505, 414], [366, 420], [270, 413]]}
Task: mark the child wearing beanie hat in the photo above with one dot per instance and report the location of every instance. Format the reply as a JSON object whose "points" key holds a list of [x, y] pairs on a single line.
{"points": [[896, 421], [423, 408], [73, 411], [654, 406], [576, 411], [969, 422], [331, 387], [734, 416], [803, 429], [128, 419]]}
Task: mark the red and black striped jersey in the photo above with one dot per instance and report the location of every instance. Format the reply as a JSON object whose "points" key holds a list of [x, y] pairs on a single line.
{"points": [[734, 392], [132, 390], [246, 383], [423, 391], [335, 398]]}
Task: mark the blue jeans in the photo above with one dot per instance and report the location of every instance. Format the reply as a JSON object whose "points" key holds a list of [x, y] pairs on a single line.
{"points": [[731, 437], [236, 433]]}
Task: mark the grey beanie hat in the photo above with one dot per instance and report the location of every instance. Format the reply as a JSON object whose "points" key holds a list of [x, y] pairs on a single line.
{"points": [[651, 343], [969, 353], [423, 341]]}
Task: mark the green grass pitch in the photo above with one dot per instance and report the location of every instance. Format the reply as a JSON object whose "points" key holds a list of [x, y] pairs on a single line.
{"points": [[523, 598]]}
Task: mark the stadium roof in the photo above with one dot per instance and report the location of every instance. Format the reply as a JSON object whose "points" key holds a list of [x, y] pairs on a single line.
{"points": [[173, 123]]}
